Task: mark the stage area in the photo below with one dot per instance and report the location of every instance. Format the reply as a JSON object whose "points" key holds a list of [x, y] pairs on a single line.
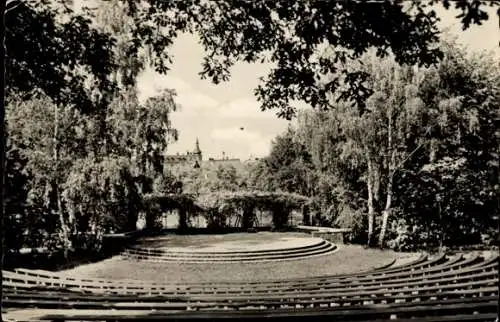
{"points": [[246, 247], [346, 259]]}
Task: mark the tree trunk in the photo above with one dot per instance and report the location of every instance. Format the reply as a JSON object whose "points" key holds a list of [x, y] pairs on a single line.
{"points": [[391, 169], [371, 209], [386, 212], [441, 222], [64, 227]]}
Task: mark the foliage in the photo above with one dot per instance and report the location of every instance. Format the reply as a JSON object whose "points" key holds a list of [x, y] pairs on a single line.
{"points": [[167, 183], [219, 206], [156, 204], [422, 161], [459, 170], [102, 196], [114, 18], [121, 37], [289, 163], [44, 138], [291, 38], [403, 233], [15, 217], [142, 131], [169, 201], [74, 53], [60, 181], [353, 219], [211, 177], [226, 179], [82, 151]]}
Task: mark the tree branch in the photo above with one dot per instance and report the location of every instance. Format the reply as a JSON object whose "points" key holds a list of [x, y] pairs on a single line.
{"points": [[406, 159]]}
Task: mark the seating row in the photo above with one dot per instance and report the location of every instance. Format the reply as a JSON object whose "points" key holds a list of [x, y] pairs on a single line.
{"points": [[475, 309], [443, 288], [452, 268]]}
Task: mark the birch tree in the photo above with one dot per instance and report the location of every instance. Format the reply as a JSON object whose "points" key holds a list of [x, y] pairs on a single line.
{"points": [[142, 131], [382, 136], [49, 136]]}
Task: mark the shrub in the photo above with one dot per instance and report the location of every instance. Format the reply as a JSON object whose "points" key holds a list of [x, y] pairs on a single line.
{"points": [[353, 219]]}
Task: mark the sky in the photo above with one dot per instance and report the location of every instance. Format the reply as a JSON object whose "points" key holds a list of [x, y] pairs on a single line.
{"points": [[226, 117]]}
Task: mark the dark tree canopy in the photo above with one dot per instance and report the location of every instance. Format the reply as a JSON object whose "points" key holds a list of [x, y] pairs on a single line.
{"points": [[53, 49], [293, 35]]}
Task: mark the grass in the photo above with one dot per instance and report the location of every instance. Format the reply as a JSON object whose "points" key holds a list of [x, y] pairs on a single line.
{"points": [[348, 259]]}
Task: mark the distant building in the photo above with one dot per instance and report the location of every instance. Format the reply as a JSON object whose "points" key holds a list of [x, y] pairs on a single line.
{"points": [[194, 159], [227, 161]]}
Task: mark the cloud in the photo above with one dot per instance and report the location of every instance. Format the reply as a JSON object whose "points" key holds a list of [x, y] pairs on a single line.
{"points": [[217, 123], [260, 147], [192, 101], [242, 143], [249, 108], [244, 107], [234, 134]]}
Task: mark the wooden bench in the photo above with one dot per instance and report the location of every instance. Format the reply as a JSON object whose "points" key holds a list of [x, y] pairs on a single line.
{"points": [[424, 289], [461, 283], [36, 283], [61, 300], [55, 276], [47, 274], [487, 307], [429, 275]]}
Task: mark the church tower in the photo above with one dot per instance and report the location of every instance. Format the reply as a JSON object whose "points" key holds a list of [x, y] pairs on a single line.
{"points": [[197, 154]]}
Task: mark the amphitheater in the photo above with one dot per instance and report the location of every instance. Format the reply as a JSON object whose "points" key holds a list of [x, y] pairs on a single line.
{"points": [[275, 276]]}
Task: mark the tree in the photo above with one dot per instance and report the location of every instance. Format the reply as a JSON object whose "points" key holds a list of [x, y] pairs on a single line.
{"points": [[334, 179], [288, 165], [258, 176], [426, 134], [79, 123], [74, 53], [460, 163], [291, 37], [48, 137], [376, 143], [15, 216], [53, 156], [142, 132], [396, 95], [115, 18]]}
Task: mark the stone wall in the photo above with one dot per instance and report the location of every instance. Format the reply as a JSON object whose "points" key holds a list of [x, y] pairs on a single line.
{"points": [[333, 237]]}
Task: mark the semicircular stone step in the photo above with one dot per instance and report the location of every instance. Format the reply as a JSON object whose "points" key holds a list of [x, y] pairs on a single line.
{"points": [[320, 245], [285, 244], [328, 250], [309, 248]]}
